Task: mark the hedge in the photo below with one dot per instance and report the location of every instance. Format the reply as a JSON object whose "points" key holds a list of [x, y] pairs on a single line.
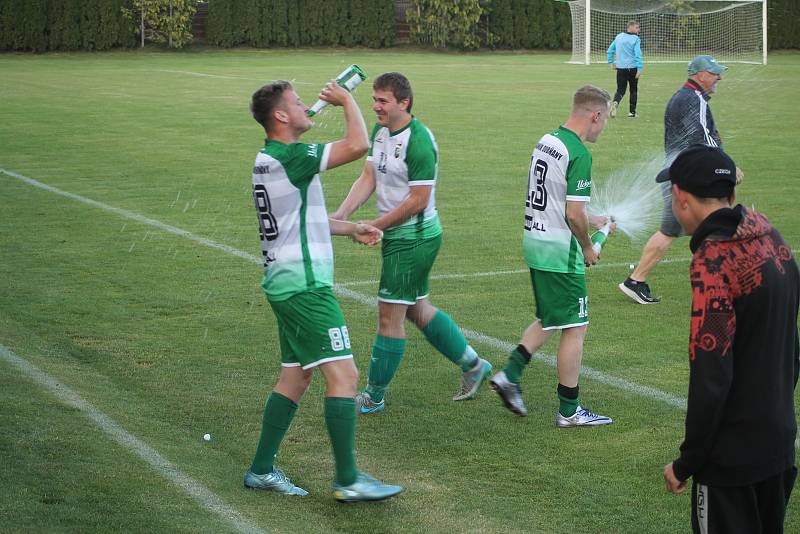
{"points": [[41, 25], [529, 24], [267, 23], [783, 30]]}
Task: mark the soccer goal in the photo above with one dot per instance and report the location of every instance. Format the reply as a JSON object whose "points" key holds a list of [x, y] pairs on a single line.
{"points": [[672, 30]]}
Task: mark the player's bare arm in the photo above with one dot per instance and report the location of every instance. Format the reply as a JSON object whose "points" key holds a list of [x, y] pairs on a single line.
{"points": [[355, 143], [578, 220], [413, 204], [359, 193]]}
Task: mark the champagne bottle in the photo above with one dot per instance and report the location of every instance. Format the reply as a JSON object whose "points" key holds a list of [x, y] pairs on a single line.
{"points": [[349, 80], [601, 236]]}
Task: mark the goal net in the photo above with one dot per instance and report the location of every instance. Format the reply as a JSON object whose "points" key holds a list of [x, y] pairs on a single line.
{"points": [[672, 30]]}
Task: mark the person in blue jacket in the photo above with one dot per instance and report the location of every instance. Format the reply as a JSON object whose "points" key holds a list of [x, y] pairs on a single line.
{"points": [[628, 48]]}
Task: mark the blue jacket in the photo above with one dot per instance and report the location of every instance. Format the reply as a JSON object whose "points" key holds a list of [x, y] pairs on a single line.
{"points": [[628, 47]]}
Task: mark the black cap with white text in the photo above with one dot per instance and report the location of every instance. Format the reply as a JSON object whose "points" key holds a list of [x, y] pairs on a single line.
{"points": [[702, 170]]}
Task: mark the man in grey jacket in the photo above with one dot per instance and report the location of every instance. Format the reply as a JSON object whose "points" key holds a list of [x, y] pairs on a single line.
{"points": [[687, 121]]}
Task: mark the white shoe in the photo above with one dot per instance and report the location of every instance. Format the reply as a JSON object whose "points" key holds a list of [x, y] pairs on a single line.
{"points": [[275, 481], [582, 417]]}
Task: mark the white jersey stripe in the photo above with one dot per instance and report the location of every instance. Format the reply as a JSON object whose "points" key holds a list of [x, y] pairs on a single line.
{"points": [[703, 111], [326, 154]]}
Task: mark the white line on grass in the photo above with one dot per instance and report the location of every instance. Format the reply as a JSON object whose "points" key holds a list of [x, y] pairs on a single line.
{"points": [[136, 217], [222, 76], [203, 74], [204, 497], [502, 273], [504, 346]]}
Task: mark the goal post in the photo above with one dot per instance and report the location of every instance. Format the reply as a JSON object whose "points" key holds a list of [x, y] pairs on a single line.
{"points": [[672, 30]]}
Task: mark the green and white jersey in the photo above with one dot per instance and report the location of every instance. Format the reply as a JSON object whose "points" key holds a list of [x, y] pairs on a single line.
{"points": [[404, 159], [561, 170], [293, 221]]}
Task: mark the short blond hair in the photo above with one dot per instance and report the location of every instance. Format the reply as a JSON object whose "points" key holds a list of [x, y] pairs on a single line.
{"points": [[590, 98]]}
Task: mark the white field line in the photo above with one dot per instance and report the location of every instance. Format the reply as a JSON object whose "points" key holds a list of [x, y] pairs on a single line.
{"points": [[504, 273], [222, 76], [504, 346], [202, 495]]}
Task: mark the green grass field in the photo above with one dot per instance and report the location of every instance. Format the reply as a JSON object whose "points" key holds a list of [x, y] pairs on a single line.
{"points": [[170, 338]]}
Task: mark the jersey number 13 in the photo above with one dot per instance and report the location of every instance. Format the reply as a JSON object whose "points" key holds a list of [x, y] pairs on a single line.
{"points": [[537, 194]]}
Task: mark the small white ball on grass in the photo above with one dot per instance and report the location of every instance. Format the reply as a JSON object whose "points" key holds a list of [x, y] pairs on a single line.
{"points": [[631, 266], [206, 437]]}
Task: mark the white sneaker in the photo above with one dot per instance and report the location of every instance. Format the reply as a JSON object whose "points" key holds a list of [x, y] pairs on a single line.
{"points": [[582, 417], [613, 112], [275, 481]]}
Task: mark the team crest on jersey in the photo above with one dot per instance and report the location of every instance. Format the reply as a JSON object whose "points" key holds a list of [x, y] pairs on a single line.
{"points": [[397, 150]]}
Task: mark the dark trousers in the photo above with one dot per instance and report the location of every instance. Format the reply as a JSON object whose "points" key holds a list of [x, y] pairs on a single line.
{"points": [[755, 509], [627, 77]]}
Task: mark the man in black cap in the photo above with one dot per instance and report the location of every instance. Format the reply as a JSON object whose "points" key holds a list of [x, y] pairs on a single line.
{"points": [[739, 447]]}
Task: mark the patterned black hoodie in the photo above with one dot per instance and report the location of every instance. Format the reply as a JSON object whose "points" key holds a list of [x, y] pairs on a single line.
{"points": [[743, 352]]}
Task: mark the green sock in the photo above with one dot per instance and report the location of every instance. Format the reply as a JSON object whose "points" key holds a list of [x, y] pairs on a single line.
{"points": [[340, 417], [278, 415], [568, 400], [446, 337], [517, 361], [387, 353]]}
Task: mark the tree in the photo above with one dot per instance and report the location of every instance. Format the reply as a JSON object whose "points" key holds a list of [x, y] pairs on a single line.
{"points": [[163, 21], [444, 23]]}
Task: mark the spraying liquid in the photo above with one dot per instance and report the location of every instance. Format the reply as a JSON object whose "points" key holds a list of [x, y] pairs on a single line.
{"points": [[349, 80], [632, 198]]}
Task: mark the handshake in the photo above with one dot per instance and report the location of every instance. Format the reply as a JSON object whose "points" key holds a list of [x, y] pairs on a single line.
{"points": [[360, 232], [366, 234]]}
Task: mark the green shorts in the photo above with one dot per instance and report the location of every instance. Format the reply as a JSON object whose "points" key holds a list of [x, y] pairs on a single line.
{"points": [[311, 329], [561, 299], [406, 266]]}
